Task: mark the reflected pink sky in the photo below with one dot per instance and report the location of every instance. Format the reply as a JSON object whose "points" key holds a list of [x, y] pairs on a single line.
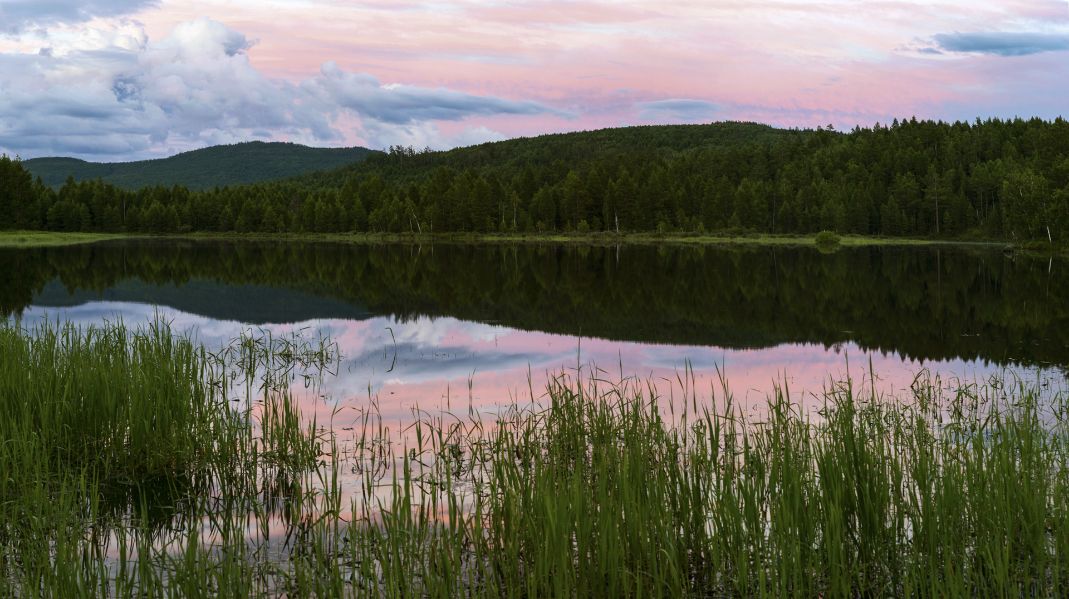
{"points": [[439, 363]]}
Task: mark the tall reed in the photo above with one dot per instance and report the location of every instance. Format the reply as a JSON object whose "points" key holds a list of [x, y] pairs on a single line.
{"points": [[599, 494]]}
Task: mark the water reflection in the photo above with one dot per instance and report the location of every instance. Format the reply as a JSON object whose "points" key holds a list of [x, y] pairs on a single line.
{"points": [[420, 325], [445, 363], [923, 304]]}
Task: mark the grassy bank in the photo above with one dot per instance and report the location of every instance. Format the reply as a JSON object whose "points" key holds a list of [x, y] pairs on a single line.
{"points": [[601, 490], [39, 239], [25, 239]]}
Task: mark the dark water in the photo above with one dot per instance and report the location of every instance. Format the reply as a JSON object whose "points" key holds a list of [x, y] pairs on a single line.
{"points": [[421, 324]]}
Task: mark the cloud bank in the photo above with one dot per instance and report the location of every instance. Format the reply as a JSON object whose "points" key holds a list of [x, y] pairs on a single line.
{"points": [[1002, 43], [196, 87]]}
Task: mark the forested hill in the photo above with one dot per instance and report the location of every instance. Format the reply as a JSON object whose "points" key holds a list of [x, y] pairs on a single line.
{"points": [[217, 166], [994, 179], [560, 151]]}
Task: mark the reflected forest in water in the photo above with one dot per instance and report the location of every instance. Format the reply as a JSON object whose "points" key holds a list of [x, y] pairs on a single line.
{"points": [[924, 303]]}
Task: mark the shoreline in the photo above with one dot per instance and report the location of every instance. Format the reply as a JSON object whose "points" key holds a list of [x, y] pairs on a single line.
{"points": [[30, 239]]}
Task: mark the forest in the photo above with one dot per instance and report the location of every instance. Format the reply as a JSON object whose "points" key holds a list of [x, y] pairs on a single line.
{"points": [[993, 179]]}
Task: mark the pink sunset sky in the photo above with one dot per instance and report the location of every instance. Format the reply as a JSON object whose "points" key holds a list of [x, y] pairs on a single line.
{"points": [[128, 79]]}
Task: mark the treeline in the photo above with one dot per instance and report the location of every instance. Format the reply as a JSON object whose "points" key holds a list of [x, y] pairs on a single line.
{"points": [[993, 179]]}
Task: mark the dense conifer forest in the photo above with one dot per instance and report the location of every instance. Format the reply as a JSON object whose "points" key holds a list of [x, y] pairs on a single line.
{"points": [[990, 179]]}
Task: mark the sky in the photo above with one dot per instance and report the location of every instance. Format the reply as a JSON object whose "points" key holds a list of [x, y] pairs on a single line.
{"points": [[110, 80]]}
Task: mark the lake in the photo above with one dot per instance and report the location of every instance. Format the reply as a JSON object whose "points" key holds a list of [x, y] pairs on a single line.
{"points": [[427, 325], [442, 347]]}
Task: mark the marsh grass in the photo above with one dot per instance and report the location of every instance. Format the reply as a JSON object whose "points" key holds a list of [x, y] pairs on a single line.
{"points": [[122, 407], [601, 489], [120, 445], [597, 493]]}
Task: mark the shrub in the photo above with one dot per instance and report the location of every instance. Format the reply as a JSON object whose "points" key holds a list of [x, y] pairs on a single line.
{"points": [[827, 239]]}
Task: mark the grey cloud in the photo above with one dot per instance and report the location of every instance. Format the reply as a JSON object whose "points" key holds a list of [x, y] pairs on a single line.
{"points": [[126, 89], [197, 87], [19, 15], [1001, 43], [682, 109], [400, 104], [194, 88]]}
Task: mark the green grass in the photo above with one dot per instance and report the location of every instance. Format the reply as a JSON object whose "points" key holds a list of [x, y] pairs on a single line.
{"points": [[601, 489], [598, 494], [124, 407], [26, 239], [598, 238], [113, 439]]}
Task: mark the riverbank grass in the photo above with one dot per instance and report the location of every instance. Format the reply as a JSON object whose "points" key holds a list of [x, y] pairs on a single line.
{"points": [[597, 489], [27, 239]]}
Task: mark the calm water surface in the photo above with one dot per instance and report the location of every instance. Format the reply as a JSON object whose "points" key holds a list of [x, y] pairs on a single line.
{"points": [[459, 325], [469, 329]]}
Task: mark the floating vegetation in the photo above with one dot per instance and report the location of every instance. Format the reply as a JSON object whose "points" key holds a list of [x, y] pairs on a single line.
{"points": [[129, 472]]}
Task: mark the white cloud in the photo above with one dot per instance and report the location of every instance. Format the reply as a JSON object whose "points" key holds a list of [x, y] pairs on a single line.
{"points": [[109, 92], [425, 134]]}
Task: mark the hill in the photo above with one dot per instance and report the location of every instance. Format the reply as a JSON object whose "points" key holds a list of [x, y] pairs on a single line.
{"points": [[217, 166], [568, 150]]}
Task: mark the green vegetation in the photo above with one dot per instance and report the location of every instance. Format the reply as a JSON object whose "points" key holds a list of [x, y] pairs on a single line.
{"points": [[217, 166], [113, 439], [1004, 180], [601, 493], [601, 489], [104, 404], [827, 238], [826, 241], [28, 239]]}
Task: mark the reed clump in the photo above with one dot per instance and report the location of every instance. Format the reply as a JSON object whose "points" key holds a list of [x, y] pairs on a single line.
{"points": [[119, 447], [121, 404], [598, 493]]}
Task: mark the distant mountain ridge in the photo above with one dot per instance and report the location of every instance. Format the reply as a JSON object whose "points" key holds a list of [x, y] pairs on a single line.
{"points": [[217, 166]]}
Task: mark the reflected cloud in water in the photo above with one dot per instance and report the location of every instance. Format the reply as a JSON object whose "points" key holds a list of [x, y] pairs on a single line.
{"points": [[434, 362]]}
